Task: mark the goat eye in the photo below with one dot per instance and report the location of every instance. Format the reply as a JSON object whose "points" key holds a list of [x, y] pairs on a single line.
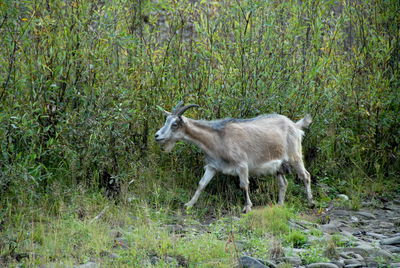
{"points": [[174, 125]]}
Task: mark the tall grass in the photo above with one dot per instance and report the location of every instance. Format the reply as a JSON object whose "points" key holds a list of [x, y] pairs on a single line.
{"points": [[80, 82]]}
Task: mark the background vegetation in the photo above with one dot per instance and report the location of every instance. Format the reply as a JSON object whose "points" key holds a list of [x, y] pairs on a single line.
{"points": [[80, 81]]}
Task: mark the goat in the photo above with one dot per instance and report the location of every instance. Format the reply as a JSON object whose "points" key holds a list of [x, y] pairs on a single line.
{"points": [[267, 144]]}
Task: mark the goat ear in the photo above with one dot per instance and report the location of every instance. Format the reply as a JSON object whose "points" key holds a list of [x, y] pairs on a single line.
{"points": [[162, 110]]}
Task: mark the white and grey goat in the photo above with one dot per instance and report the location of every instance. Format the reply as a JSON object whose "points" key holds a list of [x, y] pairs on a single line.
{"points": [[267, 144]]}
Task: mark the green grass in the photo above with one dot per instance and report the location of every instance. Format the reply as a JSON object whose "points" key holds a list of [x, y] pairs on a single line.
{"points": [[271, 219], [296, 239]]}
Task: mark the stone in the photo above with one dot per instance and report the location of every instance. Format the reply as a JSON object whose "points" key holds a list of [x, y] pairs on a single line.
{"points": [[343, 197], [154, 260], [361, 251], [384, 254], [295, 260], [250, 262], [339, 263], [371, 262], [169, 259], [322, 265], [332, 227], [175, 228], [385, 224], [395, 264], [351, 261], [392, 249], [391, 241], [113, 256], [354, 219], [366, 215], [355, 265], [88, 265], [375, 235]]}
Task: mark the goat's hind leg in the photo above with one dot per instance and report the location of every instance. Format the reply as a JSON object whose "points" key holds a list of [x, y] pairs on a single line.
{"points": [[305, 176], [208, 175], [282, 188]]}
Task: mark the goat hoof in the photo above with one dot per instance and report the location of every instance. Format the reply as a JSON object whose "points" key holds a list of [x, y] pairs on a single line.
{"points": [[311, 204], [188, 205], [246, 209]]}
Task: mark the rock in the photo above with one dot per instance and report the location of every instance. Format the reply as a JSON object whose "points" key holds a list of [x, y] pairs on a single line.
{"points": [[154, 260], [391, 241], [375, 235], [355, 265], [322, 265], [395, 264], [384, 254], [358, 250], [169, 259], [392, 249], [250, 262], [351, 255], [339, 263], [343, 197], [332, 227], [113, 256], [385, 224], [295, 260], [115, 233], [371, 262], [88, 265], [175, 228], [352, 261], [354, 219], [49, 265], [366, 215]]}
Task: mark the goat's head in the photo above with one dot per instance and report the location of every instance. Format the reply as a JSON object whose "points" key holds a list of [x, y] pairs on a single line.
{"points": [[171, 132]]}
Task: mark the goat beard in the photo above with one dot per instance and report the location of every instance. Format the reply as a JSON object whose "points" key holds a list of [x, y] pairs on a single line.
{"points": [[168, 146]]}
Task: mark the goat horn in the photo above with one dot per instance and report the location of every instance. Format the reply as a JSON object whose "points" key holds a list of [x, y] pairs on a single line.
{"points": [[184, 108], [177, 107]]}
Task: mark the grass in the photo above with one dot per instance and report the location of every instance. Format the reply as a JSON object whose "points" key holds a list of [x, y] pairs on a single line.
{"points": [[76, 226], [272, 219]]}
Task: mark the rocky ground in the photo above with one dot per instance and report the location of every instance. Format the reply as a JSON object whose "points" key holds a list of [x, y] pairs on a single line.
{"points": [[368, 237], [371, 238]]}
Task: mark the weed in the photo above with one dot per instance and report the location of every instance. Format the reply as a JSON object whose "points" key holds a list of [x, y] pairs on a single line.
{"points": [[296, 239], [312, 255]]}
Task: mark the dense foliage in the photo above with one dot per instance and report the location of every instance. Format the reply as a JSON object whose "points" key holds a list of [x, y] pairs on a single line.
{"points": [[80, 82]]}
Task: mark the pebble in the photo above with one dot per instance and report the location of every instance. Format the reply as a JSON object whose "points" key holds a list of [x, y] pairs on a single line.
{"points": [[343, 197]]}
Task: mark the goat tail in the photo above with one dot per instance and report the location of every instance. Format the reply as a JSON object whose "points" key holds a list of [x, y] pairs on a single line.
{"points": [[304, 122]]}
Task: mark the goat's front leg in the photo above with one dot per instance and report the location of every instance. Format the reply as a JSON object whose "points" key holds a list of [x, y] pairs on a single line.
{"points": [[208, 175], [244, 184]]}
